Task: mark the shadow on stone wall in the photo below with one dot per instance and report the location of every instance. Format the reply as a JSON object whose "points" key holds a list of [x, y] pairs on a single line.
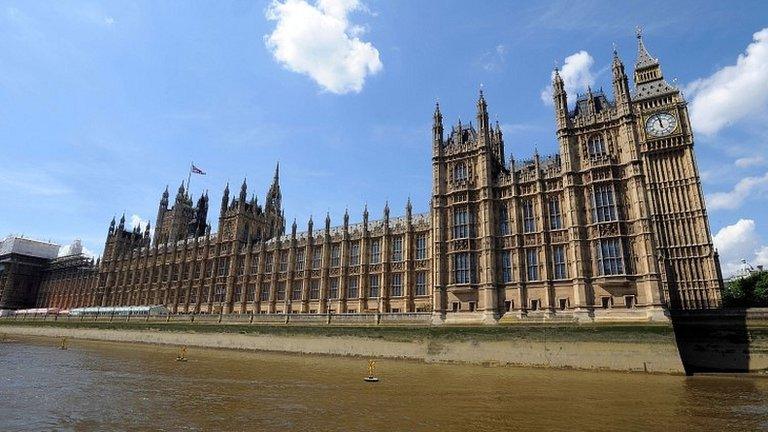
{"points": [[713, 340]]}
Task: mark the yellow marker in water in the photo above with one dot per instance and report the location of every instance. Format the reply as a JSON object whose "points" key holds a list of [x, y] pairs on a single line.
{"points": [[182, 354], [371, 368], [63, 343]]}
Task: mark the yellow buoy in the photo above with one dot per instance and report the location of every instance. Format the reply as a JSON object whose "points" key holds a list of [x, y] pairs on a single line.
{"points": [[182, 357], [63, 345], [371, 367]]}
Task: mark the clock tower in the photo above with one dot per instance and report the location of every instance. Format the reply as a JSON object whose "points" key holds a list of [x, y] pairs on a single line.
{"points": [[687, 258]]}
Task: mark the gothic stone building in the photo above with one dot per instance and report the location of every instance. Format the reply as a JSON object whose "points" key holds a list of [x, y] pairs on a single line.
{"points": [[614, 226]]}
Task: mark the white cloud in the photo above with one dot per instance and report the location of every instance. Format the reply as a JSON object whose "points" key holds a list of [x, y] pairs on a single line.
{"points": [[733, 92], [109, 21], [576, 73], [745, 188], [318, 40], [494, 60], [747, 162], [739, 241], [76, 247], [137, 221]]}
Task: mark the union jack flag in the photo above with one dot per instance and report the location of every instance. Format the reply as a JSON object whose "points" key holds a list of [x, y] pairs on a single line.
{"points": [[197, 170]]}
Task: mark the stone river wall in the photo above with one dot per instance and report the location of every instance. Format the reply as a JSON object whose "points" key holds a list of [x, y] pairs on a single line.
{"points": [[707, 341], [659, 355]]}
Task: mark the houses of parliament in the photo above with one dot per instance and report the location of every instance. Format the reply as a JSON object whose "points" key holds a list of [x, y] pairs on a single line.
{"points": [[614, 226]]}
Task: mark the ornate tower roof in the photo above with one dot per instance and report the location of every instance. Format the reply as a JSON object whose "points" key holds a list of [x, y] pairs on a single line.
{"points": [[649, 81], [644, 58]]}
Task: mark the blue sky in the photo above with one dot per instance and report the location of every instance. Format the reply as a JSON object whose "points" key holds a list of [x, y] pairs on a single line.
{"points": [[104, 103]]}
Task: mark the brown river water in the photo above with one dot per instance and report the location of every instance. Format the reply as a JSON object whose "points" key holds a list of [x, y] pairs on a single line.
{"points": [[110, 386]]}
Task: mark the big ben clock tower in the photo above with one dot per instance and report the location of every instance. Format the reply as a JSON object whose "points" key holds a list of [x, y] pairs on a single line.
{"points": [[687, 259]]}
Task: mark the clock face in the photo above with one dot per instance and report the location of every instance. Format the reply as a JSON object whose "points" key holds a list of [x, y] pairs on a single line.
{"points": [[660, 124]]}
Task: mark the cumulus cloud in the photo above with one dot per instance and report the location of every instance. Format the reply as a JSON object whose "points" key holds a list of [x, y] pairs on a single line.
{"points": [[747, 162], [319, 41], [137, 221], [576, 73], [76, 247], [739, 241], [746, 187], [733, 92]]}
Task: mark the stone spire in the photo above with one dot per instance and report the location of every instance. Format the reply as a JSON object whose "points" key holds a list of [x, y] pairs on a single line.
{"points": [[408, 210], [243, 192], [274, 197], [644, 58], [649, 80], [225, 200], [560, 99], [482, 114], [164, 199], [437, 128], [620, 83]]}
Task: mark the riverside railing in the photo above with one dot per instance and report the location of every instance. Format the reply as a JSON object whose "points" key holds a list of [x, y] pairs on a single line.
{"points": [[366, 319]]}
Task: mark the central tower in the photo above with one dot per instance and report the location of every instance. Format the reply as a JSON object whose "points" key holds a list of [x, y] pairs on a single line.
{"points": [[464, 168]]}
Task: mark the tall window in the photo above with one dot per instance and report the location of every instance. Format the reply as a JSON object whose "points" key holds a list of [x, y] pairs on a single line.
{"points": [[529, 220], [335, 255], [264, 294], [421, 247], [503, 220], [219, 293], [254, 264], [506, 266], [317, 257], [296, 291], [595, 146], [421, 283], [397, 248], [300, 259], [462, 268], [555, 219], [397, 284], [314, 289], [375, 252], [250, 292], [609, 257], [352, 287], [460, 223], [460, 171], [280, 291], [604, 208], [373, 286], [223, 266], [532, 264], [558, 262], [333, 288], [283, 261], [268, 263], [237, 292], [354, 253]]}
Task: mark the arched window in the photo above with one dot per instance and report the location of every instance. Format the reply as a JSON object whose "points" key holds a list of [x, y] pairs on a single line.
{"points": [[460, 172], [596, 146]]}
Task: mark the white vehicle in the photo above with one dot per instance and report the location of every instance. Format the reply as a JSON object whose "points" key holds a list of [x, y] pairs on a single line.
{"points": [[119, 311]]}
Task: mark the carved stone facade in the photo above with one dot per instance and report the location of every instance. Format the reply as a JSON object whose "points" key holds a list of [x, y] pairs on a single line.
{"points": [[614, 227]]}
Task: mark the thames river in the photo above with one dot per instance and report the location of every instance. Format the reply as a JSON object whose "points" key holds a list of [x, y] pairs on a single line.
{"points": [[109, 386]]}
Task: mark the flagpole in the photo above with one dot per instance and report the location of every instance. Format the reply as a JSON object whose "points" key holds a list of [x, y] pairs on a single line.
{"points": [[189, 176]]}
